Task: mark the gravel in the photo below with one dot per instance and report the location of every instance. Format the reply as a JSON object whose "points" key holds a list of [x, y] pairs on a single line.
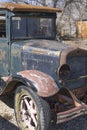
{"points": [[7, 116], [8, 122]]}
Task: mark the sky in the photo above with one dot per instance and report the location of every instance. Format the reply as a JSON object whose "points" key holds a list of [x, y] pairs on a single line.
{"points": [[5, 0], [48, 2], [29, 1]]}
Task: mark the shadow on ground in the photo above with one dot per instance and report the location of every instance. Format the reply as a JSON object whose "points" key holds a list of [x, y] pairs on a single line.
{"points": [[8, 100], [6, 125], [79, 123]]}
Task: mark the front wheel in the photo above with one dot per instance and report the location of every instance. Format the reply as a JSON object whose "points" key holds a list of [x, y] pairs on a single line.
{"points": [[32, 112]]}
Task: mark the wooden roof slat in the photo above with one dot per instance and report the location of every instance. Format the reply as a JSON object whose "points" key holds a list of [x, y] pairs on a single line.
{"points": [[27, 7]]}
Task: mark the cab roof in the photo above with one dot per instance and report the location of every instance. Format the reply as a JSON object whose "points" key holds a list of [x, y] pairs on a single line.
{"points": [[15, 7]]}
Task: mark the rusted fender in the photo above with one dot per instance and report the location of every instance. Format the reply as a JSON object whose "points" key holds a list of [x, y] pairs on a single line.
{"points": [[43, 83]]}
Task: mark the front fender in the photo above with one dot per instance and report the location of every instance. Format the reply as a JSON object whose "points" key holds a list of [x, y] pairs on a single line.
{"points": [[43, 83]]}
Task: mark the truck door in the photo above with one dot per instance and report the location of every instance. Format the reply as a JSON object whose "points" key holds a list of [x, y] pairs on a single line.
{"points": [[4, 48]]}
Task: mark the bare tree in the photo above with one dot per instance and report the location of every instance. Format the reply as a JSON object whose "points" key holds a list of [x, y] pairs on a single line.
{"points": [[44, 2], [72, 11], [41, 2], [17, 1], [54, 3]]}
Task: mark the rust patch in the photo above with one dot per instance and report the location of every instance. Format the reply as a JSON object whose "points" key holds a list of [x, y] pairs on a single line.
{"points": [[5, 79], [65, 95], [80, 92], [44, 84], [39, 51], [75, 51], [2, 54]]}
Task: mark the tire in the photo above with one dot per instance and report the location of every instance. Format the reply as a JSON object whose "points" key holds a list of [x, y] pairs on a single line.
{"points": [[31, 111]]}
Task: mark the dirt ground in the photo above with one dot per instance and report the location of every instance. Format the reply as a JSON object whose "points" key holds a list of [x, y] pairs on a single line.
{"points": [[7, 116], [82, 43]]}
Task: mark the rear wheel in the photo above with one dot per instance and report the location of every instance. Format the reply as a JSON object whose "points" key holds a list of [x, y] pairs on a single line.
{"points": [[32, 112]]}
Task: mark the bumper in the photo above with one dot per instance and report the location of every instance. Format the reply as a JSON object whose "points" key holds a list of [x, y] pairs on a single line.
{"points": [[71, 114]]}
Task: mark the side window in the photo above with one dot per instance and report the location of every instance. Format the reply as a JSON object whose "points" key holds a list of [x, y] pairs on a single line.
{"points": [[18, 27], [2, 26]]}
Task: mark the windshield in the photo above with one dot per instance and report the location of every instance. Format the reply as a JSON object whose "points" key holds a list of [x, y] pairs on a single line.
{"points": [[30, 27]]}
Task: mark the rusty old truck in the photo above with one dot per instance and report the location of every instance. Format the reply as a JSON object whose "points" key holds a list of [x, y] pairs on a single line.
{"points": [[48, 78]]}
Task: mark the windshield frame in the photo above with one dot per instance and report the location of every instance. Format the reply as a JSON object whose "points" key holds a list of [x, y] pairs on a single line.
{"points": [[35, 15]]}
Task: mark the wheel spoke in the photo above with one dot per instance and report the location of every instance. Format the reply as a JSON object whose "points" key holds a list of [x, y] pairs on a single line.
{"points": [[28, 124], [29, 112], [33, 108], [23, 111]]}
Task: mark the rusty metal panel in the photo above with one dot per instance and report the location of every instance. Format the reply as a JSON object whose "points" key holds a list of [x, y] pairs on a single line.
{"points": [[44, 84], [76, 59], [81, 29]]}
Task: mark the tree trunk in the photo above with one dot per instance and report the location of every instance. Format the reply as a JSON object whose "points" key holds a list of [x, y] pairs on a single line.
{"points": [[55, 3], [44, 2]]}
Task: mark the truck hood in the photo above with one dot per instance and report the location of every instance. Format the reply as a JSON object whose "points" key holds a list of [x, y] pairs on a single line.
{"points": [[42, 46], [42, 55]]}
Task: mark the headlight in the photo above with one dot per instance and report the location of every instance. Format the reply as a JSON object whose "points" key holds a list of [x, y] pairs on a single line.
{"points": [[64, 72]]}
